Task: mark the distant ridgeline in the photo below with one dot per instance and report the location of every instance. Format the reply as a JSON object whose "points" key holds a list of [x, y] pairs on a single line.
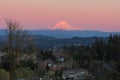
{"points": [[47, 39], [72, 33], [66, 33], [46, 42]]}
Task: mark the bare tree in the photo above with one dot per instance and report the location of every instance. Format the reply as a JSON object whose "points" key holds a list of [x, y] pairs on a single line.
{"points": [[17, 42]]}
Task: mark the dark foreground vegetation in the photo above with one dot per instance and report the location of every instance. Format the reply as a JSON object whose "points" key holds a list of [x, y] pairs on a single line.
{"points": [[21, 59]]}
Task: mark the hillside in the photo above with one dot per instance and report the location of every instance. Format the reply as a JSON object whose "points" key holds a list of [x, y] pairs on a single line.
{"points": [[46, 42], [58, 33], [72, 33]]}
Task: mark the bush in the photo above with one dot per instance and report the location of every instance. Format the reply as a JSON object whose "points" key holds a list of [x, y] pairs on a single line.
{"points": [[51, 73], [4, 75], [24, 73]]}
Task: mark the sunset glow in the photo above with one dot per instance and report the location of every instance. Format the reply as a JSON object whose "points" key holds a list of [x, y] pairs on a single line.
{"points": [[102, 15]]}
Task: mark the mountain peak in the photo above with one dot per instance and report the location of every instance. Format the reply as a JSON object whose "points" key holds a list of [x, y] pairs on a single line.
{"points": [[62, 25]]}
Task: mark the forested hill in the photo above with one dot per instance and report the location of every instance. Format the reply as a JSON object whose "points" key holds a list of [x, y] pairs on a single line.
{"points": [[46, 42]]}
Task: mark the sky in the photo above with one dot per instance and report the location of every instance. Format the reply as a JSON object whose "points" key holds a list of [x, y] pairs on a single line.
{"points": [[102, 15]]}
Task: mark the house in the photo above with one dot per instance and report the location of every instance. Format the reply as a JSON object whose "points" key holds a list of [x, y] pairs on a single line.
{"points": [[60, 59], [57, 67], [49, 62], [80, 74]]}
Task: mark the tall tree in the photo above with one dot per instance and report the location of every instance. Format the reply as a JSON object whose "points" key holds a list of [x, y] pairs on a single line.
{"points": [[17, 42]]}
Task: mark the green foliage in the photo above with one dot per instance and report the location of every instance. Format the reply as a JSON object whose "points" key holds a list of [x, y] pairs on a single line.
{"points": [[24, 73], [4, 75], [51, 73]]}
